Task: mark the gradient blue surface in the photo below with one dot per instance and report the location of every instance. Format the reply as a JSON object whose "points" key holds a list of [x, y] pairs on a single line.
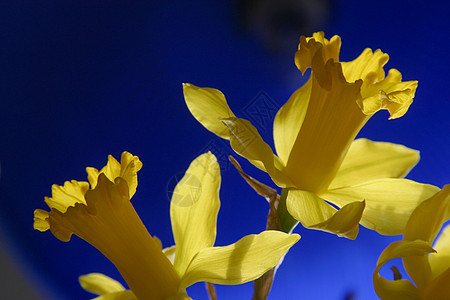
{"points": [[84, 80]]}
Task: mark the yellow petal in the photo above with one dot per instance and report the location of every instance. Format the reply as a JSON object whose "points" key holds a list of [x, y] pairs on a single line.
{"points": [[424, 224], [440, 261], [289, 120], [427, 219], [124, 295], [243, 261], [399, 289], [68, 195], [367, 160], [389, 202], [193, 210], [315, 213], [127, 169], [208, 106], [100, 284], [246, 141]]}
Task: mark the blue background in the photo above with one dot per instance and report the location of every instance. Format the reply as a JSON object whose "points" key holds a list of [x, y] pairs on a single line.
{"points": [[81, 80]]}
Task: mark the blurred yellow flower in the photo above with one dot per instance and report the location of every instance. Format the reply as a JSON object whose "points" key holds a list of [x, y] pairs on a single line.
{"points": [[429, 268], [317, 158], [105, 218]]}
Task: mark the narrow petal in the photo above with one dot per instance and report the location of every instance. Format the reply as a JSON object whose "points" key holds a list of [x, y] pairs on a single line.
{"points": [[208, 106], [398, 289], [426, 221], [289, 120], [440, 261], [194, 208], [315, 213], [367, 160], [389, 202], [100, 284], [243, 261], [246, 141], [124, 295], [424, 224]]}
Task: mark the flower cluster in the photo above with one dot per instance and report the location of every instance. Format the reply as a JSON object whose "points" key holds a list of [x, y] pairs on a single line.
{"points": [[317, 163]]}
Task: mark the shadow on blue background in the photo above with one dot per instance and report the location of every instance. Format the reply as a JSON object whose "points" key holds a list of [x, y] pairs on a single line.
{"points": [[84, 80]]}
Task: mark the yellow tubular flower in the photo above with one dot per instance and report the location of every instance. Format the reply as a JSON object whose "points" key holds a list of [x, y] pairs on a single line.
{"points": [[430, 272], [317, 157], [105, 218]]}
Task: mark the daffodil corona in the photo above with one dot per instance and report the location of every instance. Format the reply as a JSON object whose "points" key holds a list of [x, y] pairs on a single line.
{"points": [[104, 217], [317, 158]]}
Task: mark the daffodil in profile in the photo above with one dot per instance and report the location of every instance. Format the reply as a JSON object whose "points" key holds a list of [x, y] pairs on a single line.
{"points": [[427, 265], [103, 215], [317, 159]]}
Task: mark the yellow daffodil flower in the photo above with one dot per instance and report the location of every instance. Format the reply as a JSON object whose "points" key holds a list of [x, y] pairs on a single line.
{"points": [[104, 217], [317, 158], [427, 266]]}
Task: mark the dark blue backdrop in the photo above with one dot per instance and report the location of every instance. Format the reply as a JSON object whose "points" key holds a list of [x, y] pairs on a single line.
{"points": [[83, 80]]}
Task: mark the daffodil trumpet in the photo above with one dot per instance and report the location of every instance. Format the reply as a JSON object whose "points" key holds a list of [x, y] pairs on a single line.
{"points": [[318, 161], [103, 216]]}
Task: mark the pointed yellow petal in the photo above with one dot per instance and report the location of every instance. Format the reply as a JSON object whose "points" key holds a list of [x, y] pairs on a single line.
{"points": [[243, 261], [427, 219], [440, 261], [399, 289], [246, 141], [100, 284], [315, 213], [124, 295], [208, 106], [367, 160], [424, 224], [389, 202], [289, 120], [193, 210]]}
